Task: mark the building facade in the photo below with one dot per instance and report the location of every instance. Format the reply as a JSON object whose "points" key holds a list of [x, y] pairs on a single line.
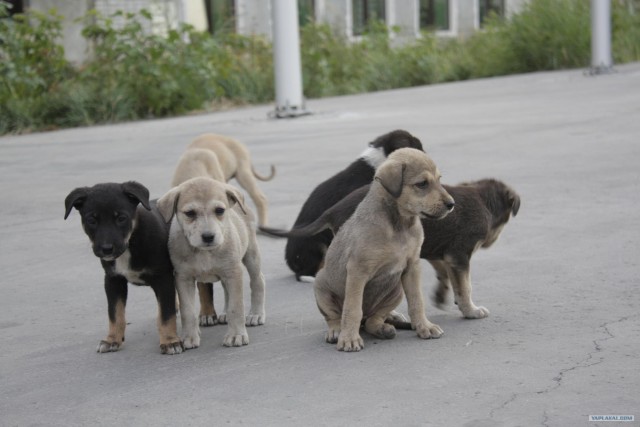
{"points": [[407, 18]]}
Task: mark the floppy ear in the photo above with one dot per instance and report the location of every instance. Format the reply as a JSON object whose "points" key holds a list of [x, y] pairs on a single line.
{"points": [[514, 201], [391, 176], [75, 199], [168, 204], [234, 196], [137, 192]]}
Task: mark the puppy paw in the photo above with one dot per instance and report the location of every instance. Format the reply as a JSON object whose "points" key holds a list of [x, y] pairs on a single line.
{"points": [[476, 312], [385, 331], [332, 336], [107, 346], [172, 348], [233, 340], [208, 320], [222, 318], [429, 330], [254, 319], [350, 342], [396, 316], [192, 341]]}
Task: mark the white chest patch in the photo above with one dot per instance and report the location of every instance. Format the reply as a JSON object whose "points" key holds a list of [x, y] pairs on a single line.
{"points": [[122, 267], [373, 156]]}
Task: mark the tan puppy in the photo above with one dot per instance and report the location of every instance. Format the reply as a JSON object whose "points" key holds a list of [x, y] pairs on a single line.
{"points": [[209, 240], [376, 254], [223, 158]]}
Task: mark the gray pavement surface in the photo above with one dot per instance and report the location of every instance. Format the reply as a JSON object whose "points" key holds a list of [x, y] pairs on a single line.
{"points": [[561, 343]]}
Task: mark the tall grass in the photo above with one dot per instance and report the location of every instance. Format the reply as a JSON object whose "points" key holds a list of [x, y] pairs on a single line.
{"points": [[133, 74]]}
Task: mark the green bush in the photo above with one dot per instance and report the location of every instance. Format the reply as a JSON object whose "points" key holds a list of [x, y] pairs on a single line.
{"points": [[133, 74]]}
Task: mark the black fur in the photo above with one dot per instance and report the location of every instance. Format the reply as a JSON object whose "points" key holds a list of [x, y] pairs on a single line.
{"points": [[304, 255], [120, 217]]}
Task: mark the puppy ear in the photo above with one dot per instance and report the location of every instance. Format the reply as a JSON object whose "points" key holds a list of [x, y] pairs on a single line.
{"points": [[514, 201], [168, 204], [137, 192], [75, 199], [391, 176], [234, 197]]}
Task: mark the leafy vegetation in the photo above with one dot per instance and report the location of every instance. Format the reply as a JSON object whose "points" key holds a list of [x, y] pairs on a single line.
{"points": [[133, 74]]}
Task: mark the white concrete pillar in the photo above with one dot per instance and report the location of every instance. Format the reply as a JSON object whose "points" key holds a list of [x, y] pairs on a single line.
{"points": [[286, 59], [601, 58]]}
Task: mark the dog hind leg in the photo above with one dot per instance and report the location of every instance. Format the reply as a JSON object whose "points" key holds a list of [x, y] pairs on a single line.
{"points": [[208, 316], [459, 273], [252, 262], [441, 294], [330, 307]]}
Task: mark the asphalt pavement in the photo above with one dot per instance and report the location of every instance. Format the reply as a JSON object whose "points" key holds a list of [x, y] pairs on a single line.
{"points": [[562, 283]]}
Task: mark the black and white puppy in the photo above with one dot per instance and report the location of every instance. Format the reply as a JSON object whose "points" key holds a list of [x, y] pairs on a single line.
{"points": [[305, 255], [130, 237], [482, 209]]}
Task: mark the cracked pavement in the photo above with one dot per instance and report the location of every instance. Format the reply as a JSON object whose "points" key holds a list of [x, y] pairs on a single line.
{"points": [[561, 342]]}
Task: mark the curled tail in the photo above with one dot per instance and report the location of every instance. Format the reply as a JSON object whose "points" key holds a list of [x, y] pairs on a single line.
{"points": [[264, 178]]}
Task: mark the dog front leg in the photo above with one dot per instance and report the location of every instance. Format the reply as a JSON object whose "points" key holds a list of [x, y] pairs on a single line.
{"points": [[116, 289], [252, 262], [415, 302], [349, 338], [237, 332], [458, 270], [167, 327], [187, 293]]}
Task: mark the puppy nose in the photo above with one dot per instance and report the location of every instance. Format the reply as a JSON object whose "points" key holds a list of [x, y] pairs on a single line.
{"points": [[207, 237], [107, 249], [450, 204]]}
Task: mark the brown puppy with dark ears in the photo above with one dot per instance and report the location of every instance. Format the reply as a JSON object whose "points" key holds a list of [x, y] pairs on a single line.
{"points": [[129, 236], [482, 210], [374, 259]]}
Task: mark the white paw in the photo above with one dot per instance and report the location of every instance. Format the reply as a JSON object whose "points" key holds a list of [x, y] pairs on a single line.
{"points": [[350, 342], [191, 340], [235, 340], [476, 313], [255, 319], [107, 347], [428, 330], [208, 320], [396, 316], [222, 318]]}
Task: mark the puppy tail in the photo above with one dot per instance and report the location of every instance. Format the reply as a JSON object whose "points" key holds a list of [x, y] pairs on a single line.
{"points": [[306, 231], [264, 178], [399, 324]]}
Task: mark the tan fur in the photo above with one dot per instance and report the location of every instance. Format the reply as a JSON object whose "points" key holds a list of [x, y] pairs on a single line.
{"points": [[115, 337], [375, 257], [207, 244], [223, 158]]}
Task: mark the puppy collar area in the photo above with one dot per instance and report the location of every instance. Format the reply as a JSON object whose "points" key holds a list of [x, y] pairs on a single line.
{"points": [[373, 156]]}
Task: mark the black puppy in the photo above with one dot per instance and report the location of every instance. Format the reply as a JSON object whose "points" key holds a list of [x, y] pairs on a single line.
{"points": [[131, 242], [304, 255], [482, 210]]}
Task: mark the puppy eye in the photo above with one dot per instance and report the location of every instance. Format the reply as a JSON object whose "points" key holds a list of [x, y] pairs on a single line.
{"points": [[190, 214], [121, 219], [91, 221], [422, 185], [219, 211]]}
